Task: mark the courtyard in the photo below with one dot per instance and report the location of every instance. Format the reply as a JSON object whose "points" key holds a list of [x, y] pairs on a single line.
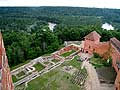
{"points": [[27, 71], [57, 79], [66, 71]]}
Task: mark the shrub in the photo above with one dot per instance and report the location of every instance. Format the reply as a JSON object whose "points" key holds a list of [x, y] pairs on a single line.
{"points": [[96, 55]]}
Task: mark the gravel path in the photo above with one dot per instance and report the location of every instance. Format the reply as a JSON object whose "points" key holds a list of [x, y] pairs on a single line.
{"points": [[107, 87], [92, 82]]}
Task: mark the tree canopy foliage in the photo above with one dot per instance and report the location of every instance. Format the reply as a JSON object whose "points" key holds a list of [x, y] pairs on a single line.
{"points": [[26, 34]]}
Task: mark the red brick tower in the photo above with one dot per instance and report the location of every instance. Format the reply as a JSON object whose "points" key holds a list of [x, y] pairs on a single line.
{"points": [[91, 40], [5, 76]]}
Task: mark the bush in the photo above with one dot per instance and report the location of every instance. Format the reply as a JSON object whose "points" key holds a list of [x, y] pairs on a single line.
{"points": [[96, 55], [108, 63]]}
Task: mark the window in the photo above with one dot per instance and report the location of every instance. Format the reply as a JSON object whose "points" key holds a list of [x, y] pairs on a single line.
{"points": [[89, 47]]}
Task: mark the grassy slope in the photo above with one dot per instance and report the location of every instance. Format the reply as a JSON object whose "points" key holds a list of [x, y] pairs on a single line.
{"points": [[99, 62], [55, 79], [74, 63]]}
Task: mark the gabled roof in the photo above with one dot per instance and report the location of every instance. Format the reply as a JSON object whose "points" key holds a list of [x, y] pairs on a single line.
{"points": [[115, 43], [93, 36]]}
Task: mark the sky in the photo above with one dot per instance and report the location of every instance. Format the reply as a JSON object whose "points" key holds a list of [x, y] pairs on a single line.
{"points": [[74, 3]]}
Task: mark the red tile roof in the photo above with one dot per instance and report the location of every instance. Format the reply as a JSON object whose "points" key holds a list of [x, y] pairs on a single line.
{"points": [[115, 43], [93, 36]]}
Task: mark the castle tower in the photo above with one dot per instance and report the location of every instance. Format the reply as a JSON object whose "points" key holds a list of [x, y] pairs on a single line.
{"points": [[91, 40], [5, 76]]}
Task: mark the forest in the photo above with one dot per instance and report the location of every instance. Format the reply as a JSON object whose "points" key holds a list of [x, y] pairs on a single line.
{"points": [[26, 33]]}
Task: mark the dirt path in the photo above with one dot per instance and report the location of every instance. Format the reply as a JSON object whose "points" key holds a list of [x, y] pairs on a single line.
{"points": [[107, 87], [92, 82]]}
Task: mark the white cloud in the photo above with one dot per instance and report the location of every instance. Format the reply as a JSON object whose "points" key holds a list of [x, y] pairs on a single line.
{"points": [[81, 3]]}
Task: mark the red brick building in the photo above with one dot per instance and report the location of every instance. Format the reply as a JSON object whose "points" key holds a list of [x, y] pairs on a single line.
{"points": [[5, 77], [105, 49], [91, 40]]}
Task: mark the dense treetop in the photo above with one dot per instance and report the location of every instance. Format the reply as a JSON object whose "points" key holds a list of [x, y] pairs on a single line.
{"points": [[57, 14], [26, 34]]}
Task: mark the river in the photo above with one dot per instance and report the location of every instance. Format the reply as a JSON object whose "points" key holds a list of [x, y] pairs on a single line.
{"points": [[50, 25]]}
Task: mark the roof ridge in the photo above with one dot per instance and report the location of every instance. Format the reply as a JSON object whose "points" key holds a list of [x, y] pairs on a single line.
{"points": [[92, 36]]}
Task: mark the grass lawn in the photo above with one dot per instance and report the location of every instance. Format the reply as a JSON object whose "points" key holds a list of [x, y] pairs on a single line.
{"points": [[99, 62], [14, 78], [56, 79], [38, 66], [53, 80], [73, 62], [96, 62], [67, 53], [55, 60], [20, 74], [46, 62]]}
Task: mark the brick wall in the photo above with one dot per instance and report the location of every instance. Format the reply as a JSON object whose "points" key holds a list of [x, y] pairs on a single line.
{"points": [[66, 49], [115, 57], [117, 81], [101, 48], [6, 79], [89, 45]]}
